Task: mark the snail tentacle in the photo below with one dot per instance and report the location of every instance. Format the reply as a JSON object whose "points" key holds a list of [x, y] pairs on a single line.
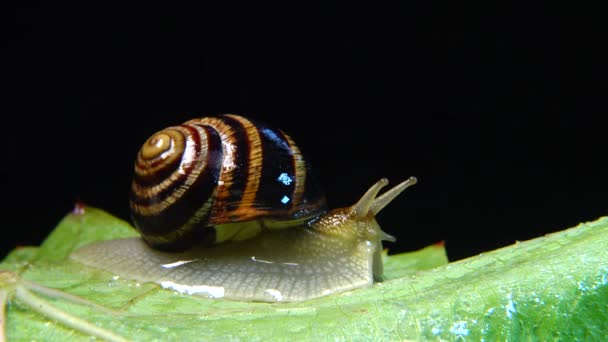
{"points": [[389, 196], [362, 208]]}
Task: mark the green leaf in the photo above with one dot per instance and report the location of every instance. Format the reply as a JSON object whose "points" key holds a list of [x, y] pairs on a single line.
{"points": [[552, 287]]}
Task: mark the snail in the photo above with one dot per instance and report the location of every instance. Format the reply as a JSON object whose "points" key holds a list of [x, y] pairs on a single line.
{"points": [[227, 208]]}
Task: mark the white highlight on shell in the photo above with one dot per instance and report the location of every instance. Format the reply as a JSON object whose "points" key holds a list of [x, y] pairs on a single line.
{"points": [[177, 263], [276, 294], [210, 291], [159, 143], [187, 157], [228, 163], [285, 179]]}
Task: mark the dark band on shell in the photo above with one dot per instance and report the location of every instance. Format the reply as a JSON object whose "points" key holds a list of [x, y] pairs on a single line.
{"points": [[211, 171]]}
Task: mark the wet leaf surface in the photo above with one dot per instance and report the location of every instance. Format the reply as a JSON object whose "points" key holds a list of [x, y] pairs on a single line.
{"points": [[552, 287]]}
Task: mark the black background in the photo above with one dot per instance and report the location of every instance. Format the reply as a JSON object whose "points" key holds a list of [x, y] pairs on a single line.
{"points": [[495, 108]]}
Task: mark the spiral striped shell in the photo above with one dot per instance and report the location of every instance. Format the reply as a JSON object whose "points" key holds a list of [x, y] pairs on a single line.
{"points": [[214, 179]]}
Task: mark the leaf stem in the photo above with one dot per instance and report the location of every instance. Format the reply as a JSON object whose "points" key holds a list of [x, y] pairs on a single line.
{"points": [[54, 293], [42, 307], [3, 299]]}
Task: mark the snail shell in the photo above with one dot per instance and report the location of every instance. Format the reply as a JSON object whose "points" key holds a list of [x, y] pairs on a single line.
{"points": [[258, 249], [194, 181]]}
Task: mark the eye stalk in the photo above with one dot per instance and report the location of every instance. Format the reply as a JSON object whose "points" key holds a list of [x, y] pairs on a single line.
{"points": [[370, 204]]}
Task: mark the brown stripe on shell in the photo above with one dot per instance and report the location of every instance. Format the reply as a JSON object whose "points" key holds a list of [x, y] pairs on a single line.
{"points": [[150, 172], [194, 232], [299, 166], [149, 164], [239, 179], [309, 198], [186, 216], [239, 142], [246, 209], [277, 180], [229, 163], [148, 198], [154, 187]]}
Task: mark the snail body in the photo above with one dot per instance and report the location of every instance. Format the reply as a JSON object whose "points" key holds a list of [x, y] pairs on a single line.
{"points": [[271, 241]]}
